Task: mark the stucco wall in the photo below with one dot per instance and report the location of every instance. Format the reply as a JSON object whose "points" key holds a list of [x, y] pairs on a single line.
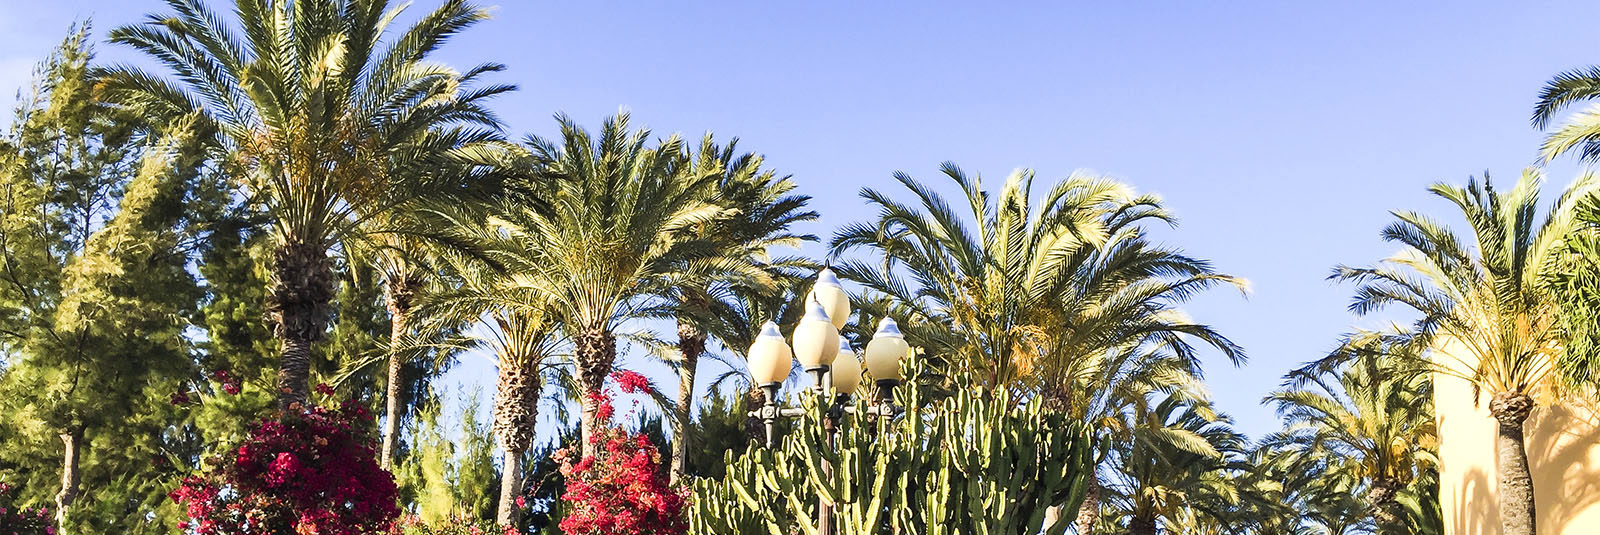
{"points": [[1563, 452]]}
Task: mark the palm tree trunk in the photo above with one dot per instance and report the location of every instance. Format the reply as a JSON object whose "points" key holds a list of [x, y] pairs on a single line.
{"points": [[302, 288], [1381, 499], [72, 441], [507, 513], [398, 291], [691, 342], [1089, 510], [596, 351], [1517, 510], [1142, 526], [516, 406]]}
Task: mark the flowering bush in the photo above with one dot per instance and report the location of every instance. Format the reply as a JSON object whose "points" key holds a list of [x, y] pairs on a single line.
{"points": [[312, 472], [22, 520], [621, 490]]}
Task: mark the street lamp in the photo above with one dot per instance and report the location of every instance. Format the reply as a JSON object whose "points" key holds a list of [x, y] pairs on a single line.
{"points": [[830, 360], [816, 340], [884, 353], [769, 361]]}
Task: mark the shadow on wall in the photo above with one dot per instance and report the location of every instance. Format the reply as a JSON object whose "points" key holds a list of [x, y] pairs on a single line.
{"points": [[1566, 466], [1477, 507], [1563, 454]]}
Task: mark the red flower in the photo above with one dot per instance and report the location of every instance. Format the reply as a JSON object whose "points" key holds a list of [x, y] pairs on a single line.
{"points": [[314, 472], [631, 382], [324, 389], [622, 491]]}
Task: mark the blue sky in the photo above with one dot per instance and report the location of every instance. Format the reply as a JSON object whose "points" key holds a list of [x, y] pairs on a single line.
{"points": [[1281, 133]]}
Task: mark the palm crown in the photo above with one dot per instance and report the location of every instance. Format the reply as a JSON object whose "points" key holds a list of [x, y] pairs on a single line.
{"points": [[317, 118], [1486, 314], [606, 226], [1377, 414], [1032, 290]]}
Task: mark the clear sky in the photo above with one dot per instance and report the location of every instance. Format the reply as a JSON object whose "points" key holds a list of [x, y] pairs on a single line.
{"points": [[1282, 133]]}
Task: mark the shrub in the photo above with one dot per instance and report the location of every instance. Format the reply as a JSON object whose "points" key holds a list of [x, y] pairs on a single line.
{"points": [[22, 520], [622, 489], [311, 472]]}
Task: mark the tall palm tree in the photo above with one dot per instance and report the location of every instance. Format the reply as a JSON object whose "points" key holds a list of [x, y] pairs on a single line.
{"points": [[764, 208], [1068, 300], [1377, 414], [610, 233], [314, 111], [1487, 313], [516, 324], [402, 246]]}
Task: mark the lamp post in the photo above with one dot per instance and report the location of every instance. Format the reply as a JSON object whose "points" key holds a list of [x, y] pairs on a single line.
{"points": [[829, 359], [769, 362]]}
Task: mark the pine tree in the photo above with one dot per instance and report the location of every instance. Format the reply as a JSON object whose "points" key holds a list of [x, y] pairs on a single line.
{"points": [[97, 295]]}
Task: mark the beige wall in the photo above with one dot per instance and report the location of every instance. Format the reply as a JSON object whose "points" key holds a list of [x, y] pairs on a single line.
{"points": [[1563, 452]]}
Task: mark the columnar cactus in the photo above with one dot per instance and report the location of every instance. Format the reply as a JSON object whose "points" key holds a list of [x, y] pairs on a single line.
{"points": [[971, 463]]}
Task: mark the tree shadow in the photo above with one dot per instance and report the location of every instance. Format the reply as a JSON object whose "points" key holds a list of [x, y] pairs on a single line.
{"points": [[1564, 456], [1474, 507]]}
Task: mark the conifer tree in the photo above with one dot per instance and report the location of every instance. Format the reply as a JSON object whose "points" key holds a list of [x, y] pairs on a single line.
{"points": [[96, 299]]}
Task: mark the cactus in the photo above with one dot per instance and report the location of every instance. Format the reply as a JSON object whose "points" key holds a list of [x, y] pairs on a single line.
{"points": [[974, 462]]}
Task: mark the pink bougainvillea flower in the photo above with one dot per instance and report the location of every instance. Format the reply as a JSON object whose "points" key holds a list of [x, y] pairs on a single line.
{"points": [[312, 472], [631, 382]]}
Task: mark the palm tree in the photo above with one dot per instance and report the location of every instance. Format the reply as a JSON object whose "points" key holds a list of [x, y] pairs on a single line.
{"points": [[764, 208], [610, 232], [1068, 300], [515, 324], [1275, 496], [1377, 414], [314, 113], [1487, 313], [402, 246], [1172, 474], [992, 288], [1582, 130]]}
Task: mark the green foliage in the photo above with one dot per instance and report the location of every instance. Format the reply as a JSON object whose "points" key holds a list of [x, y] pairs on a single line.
{"points": [[414, 525], [100, 212], [719, 431], [1371, 427], [1581, 130], [1026, 291], [450, 474], [360, 330], [971, 463], [1490, 293], [1577, 287], [1173, 469], [320, 121]]}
